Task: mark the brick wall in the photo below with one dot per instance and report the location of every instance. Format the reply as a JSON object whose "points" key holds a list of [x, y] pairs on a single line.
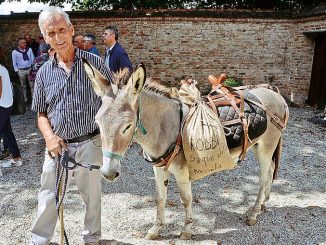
{"points": [[256, 50]]}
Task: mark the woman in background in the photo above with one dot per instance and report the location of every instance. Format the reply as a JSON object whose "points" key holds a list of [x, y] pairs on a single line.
{"points": [[6, 101]]}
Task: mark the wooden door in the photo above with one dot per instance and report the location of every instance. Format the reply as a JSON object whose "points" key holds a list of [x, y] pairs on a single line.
{"points": [[317, 90]]}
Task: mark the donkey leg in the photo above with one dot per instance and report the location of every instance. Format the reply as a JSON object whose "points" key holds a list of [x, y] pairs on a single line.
{"points": [[161, 182], [263, 154], [268, 185], [186, 197], [184, 186]]}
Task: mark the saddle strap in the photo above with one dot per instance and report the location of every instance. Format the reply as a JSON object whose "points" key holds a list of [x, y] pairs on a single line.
{"points": [[166, 161], [276, 119], [245, 126], [212, 104], [233, 100]]}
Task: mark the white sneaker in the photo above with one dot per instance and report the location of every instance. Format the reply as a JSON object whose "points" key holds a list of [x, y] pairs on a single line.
{"points": [[11, 163]]}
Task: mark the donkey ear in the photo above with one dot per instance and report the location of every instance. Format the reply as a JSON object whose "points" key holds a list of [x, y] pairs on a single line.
{"points": [[136, 82], [100, 84]]}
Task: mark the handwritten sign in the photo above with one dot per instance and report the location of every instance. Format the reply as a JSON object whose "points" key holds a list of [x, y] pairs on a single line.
{"points": [[204, 143]]}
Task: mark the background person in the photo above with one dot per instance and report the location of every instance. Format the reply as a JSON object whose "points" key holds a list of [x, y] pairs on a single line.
{"points": [[116, 57], [38, 62], [40, 40], [89, 44], [6, 101], [32, 44], [78, 41], [22, 59], [66, 119]]}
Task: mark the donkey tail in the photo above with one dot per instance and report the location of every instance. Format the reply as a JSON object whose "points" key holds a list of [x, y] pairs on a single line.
{"points": [[277, 157]]}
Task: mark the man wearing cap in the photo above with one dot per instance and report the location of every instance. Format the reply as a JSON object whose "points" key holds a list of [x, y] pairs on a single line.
{"points": [[78, 41], [22, 59], [116, 57], [89, 44]]}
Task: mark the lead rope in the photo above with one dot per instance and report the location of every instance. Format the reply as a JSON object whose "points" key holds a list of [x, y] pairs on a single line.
{"points": [[60, 192]]}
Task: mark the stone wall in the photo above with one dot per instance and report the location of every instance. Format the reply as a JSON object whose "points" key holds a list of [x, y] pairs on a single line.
{"points": [[256, 50]]}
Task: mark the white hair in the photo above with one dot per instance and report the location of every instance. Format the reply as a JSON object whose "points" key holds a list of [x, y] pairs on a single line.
{"points": [[50, 13]]}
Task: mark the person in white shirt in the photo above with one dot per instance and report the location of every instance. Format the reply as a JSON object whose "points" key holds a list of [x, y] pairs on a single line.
{"points": [[22, 60], [6, 102]]}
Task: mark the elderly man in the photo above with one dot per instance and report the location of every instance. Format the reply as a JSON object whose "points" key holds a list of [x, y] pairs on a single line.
{"points": [[89, 44], [22, 59], [67, 104]]}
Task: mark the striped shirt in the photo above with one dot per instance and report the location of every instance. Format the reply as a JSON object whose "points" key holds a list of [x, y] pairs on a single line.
{"points": [[69, 99]]}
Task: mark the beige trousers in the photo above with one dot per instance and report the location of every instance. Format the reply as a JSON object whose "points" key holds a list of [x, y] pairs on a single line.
{"points": [[23, 78], [88, 183]]}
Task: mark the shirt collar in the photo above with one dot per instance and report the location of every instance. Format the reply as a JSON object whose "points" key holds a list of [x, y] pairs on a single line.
{"points": [[78, 55], [112, 47]]}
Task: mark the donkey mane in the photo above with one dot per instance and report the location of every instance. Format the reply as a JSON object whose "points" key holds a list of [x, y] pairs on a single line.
{"points": [[159, 89], [121, 78]]}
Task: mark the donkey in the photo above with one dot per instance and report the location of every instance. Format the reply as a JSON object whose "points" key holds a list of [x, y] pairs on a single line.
{"points": [[130, 106]]}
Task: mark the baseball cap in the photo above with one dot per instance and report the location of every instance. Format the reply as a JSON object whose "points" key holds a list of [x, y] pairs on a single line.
{"points": [[89, 37]]}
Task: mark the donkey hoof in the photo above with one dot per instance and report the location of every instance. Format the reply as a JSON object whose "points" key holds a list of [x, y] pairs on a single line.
{"points": [[251, 222], [185, 235], [151, 236], [263, 207]]}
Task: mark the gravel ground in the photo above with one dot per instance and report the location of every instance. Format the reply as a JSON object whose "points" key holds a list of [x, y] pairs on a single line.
{"points": [[296, 212]]}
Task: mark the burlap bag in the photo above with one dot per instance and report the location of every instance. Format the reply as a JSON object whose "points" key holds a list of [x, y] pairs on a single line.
{"points": [[203, 137]]}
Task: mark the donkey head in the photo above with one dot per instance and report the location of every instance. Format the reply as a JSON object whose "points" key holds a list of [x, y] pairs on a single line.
{"points": [[117, 117]]}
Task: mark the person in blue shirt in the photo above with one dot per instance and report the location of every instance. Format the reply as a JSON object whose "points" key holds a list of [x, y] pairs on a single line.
{"points": [[89, 44], [115, 57]]}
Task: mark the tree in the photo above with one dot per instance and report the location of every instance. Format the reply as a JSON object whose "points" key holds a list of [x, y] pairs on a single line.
{"points": [[188, 4]]}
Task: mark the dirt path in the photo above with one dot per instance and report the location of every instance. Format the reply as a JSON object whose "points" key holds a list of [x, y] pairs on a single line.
{"points": [[296, 212]]}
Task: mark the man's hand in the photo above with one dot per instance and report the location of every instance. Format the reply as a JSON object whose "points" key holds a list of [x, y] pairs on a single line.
{"points": [[55, 144]]}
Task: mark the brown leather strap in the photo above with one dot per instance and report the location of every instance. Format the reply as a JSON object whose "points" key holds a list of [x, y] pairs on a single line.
{"points": [[166, 162], [212, 104], [245, 126], [174, 153], [231, 122], [275, 118], [232, 100], [216, 81]]}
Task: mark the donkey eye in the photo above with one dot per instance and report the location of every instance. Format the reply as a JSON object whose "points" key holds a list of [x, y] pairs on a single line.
{"points": [[126, 128]]}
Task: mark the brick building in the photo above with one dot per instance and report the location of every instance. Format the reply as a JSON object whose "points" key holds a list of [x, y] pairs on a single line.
{"points": [[254, 46]]}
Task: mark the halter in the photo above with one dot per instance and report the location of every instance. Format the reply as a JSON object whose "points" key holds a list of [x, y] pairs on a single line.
{"points": [[139, 125]]}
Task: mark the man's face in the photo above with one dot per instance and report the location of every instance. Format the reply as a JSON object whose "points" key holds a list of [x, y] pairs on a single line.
{"points": [[87, 44], [108, 38], [79, 42], [58, 34], [28, 38], [22, 44]]}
